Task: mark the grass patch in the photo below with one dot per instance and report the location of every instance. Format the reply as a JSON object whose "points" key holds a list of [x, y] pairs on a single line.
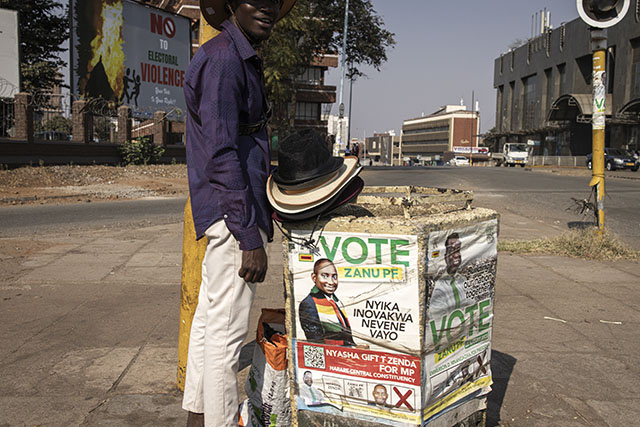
{"points": [[585, 243]]}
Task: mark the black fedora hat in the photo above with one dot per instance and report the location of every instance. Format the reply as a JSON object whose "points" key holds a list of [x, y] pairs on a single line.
{"points": [[304, 156], [344, 196]]}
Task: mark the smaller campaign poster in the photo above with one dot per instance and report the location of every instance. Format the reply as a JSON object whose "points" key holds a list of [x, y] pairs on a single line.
{"points": [[461, 271], [350, 380], [357, 332]]}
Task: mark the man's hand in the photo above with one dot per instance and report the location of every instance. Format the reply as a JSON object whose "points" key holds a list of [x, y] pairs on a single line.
{"points": [[254, 265]]}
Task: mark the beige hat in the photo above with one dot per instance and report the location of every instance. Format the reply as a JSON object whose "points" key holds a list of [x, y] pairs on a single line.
{"points": [[215, 12], [303, 198]]}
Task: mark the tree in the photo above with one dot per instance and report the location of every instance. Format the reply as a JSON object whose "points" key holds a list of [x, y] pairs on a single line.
{"points": [[58, 124], [44, 27], [315, 27]]}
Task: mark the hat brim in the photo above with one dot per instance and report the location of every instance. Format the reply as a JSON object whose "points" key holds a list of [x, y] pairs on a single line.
{"points": [[346, 195], [304, 195], [296, 201], [215, 13]]}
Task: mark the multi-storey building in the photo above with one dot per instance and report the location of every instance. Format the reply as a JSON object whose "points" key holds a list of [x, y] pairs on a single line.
{"points": [[544, 89], [435, 137], [380, 148], [310, 89]]}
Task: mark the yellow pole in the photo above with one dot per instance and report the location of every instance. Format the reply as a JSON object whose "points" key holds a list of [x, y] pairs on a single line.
{"points": [[192, 256], [599, 41]]}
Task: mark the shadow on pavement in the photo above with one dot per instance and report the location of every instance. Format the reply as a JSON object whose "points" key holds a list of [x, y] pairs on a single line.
{"points": [[580, 225], [501, 368]]}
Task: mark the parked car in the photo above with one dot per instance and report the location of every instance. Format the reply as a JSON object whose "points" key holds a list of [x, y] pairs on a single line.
{"points": [[616, 158], [459, 161]]}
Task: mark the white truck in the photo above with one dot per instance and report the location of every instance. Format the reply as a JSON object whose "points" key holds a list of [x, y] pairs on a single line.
{"points": [[512, 154]]}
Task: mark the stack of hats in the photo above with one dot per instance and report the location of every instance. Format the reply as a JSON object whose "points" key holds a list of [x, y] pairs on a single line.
{"points": [[309, 181]]}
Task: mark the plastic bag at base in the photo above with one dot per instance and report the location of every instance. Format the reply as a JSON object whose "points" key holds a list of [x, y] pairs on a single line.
{"points": [[267, 386]]}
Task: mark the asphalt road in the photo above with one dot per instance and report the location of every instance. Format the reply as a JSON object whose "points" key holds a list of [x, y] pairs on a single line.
{"points": [[33, 219], [544, 197], [541, 196]]}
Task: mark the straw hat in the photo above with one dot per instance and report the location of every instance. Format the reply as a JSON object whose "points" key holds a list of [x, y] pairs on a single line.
{"points": [[344, 196], [296, 200], [215, 12]]}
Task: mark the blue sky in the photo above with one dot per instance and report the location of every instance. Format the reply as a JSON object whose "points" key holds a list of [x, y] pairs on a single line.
{"points": [[444, 50]]}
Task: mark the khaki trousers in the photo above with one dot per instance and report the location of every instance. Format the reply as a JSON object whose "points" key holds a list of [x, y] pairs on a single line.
{"points": [[220, 325]]}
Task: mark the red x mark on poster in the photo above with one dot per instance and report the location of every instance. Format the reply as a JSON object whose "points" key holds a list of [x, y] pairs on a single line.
{"points": [[403, 398]]}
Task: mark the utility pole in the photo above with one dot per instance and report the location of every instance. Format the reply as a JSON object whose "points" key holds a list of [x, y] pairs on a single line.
{"points": [[364, 142], [192, 255], [599, 15], [599, 46], [350, 103], [343, 60], [471, 128]]}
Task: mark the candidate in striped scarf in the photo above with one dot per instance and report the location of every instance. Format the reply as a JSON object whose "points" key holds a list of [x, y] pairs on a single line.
{"points": [[321, 313], [449, 292]]}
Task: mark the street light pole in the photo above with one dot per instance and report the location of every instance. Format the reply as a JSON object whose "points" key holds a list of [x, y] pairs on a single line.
{"points": [[471, 127], [600, 15], [343, 70], [350, 103]]}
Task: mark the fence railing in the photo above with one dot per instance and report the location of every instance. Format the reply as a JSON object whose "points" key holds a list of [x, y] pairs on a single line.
{"points": [[7, 118], [65, 117], [563, 161], [52, 117]]}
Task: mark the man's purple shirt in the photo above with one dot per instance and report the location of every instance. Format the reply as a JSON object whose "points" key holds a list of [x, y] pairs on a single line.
{"points": [[227, 171]]}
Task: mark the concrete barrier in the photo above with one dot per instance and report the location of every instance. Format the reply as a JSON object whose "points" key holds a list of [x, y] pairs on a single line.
{"points": [[403, 335]]}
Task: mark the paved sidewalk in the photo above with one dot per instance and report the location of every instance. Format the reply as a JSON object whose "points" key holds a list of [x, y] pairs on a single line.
{"points": [[90, 325]]}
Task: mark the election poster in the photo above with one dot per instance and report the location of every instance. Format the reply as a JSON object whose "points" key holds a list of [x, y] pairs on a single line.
{"points": [[127, 53], [461, 271], [356, 341]]}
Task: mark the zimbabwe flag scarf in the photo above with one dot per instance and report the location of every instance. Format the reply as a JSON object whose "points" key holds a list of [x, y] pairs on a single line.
{"points": [[330, 313]]}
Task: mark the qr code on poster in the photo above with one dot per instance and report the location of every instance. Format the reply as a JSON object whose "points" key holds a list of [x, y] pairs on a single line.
{"points": [[313, 357]]}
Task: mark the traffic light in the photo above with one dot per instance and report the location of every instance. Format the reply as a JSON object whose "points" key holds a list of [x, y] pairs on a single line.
{"points": [[602, 13]]}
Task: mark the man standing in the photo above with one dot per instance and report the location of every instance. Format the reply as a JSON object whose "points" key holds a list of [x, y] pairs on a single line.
{"points": [[321, 313], [449, 291], [228, 166]]}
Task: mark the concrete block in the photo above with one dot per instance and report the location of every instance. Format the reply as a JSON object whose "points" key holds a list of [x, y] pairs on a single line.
{"points": [[385, 338]]}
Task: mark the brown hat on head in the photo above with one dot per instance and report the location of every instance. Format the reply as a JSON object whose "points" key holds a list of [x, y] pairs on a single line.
{"points": [[215, 12]]}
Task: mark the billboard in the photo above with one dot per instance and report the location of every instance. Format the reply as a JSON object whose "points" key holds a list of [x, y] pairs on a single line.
{"points": [[131, 54], [9, 53], [470, 150]]}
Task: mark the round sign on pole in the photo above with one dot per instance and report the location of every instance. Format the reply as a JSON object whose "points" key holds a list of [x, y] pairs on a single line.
{"points": [[602, 13]]}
